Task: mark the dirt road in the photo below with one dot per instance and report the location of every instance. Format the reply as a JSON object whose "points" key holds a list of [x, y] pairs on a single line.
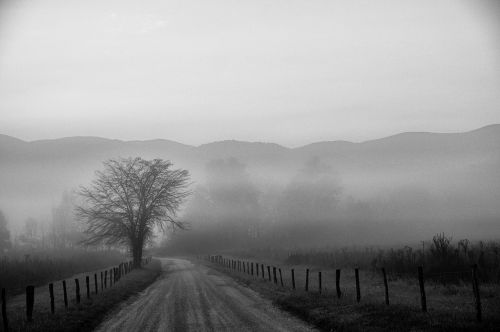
{"points": [[189, 297]]}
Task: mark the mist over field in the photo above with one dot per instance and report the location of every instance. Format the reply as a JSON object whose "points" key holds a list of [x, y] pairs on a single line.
{"points": [[394, 190]]}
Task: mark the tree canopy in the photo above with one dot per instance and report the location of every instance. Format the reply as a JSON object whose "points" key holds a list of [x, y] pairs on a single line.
{"points": [[131, 198]]}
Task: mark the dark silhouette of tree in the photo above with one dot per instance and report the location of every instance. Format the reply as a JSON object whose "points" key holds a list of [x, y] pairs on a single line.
{"points": [[131, 198], [4, 233]]}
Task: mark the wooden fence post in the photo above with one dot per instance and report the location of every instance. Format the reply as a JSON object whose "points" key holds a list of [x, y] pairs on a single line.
{"points": [[262, 270], [337, 283], [110, 277], [274, 275], [423, 299], [51, 294], [293, 279], [307, 280], [30, 300], [95, 282], [319, 281], [252, 267], [386, 286], [106, 279], [87, 282], [257, 270], [244, 268], [102, 282], [281, 277], [269, 272], [4, 311], [65, 294], [477, 295], [77, 290], [358, 291]]}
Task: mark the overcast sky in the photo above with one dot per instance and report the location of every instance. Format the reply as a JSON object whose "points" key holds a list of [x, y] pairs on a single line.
{"points": [[286, 71]]}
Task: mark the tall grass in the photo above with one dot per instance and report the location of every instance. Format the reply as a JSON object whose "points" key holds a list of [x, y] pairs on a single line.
{"points": [[442, 258], [22, 268]]}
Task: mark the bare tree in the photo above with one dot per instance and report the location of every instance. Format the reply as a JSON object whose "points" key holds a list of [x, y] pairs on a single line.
{"points": [[129, 199]]}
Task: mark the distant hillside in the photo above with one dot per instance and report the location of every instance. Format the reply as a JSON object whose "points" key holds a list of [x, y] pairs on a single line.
{"points": [[33, 175]]}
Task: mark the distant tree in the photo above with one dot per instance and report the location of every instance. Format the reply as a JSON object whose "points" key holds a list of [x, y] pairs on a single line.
{"points": [[65, 229], [30, 228], [129, 199], [4, 233], [30, 236], [312, 195], [224, 212]]}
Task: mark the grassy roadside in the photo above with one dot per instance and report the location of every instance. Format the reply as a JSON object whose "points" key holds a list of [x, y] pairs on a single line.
{"points": [[86, 315], [448, 312]]}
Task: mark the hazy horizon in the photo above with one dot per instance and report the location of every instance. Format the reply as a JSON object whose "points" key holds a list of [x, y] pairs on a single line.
{"points": [[256, 141]]}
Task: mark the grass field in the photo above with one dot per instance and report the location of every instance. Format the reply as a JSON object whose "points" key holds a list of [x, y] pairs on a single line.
{"points": [[21, 269], [450, 306], [78, 317]]}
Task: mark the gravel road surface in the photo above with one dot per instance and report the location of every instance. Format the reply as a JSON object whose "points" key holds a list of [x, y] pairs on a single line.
{"points": [[193, 297]]}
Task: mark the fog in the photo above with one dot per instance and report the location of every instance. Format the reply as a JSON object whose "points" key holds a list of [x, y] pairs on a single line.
{"points": [[320, 203], [322, 84], [396, 190]]}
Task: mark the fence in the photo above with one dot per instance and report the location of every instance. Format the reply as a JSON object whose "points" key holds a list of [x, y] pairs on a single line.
{"points": [[247, 267], [107, 278]]}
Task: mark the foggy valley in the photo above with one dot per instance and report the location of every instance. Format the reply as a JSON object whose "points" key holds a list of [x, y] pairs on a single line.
{"points": [[251, 166], [411, 184]]}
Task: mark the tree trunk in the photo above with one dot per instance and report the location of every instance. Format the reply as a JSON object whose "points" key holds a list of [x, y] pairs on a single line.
{"points": [[137, 253]]}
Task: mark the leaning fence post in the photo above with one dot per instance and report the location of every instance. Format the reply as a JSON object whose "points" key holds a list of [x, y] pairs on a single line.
{"points": [[293, 278], [106, 279], [307, 280], [423, 300], [65, 294], [30, 300], [337, 283], [274, 275], [319, 281], [281, 277], [95, 282], [477, 296], [386, 286], [51, 294], [358, 292], [4, 311], [262, 270], [252, 267], [77, 290]]}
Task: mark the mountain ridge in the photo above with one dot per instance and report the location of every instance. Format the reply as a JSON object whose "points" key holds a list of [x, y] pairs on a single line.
{"points": [[487, 128]]}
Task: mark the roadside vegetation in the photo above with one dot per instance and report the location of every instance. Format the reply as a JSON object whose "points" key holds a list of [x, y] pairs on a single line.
{"points": [[20, 269], [85, 316], [442, 259], [448, 284]]}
